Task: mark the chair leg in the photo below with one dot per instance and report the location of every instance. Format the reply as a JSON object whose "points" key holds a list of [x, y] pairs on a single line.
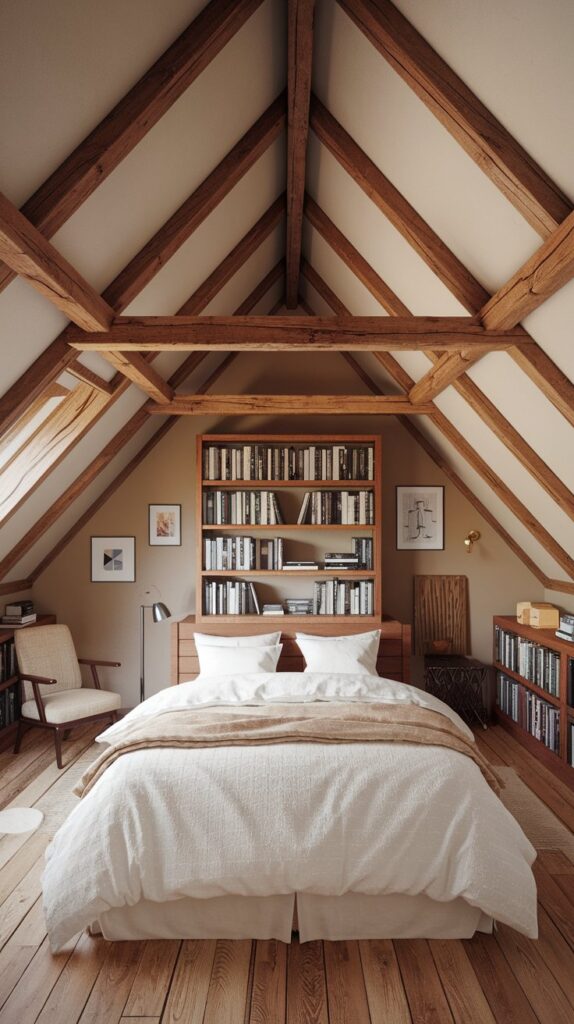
{"points": [[67, 734], [58, 745], [19, 736]]}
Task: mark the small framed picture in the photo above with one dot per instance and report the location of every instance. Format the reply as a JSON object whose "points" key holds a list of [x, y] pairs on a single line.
{"points": [[165, 525], [420, 518], [113, 559]]}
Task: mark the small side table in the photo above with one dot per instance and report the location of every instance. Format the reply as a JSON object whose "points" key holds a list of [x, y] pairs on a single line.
{"points": [[462, 683]]}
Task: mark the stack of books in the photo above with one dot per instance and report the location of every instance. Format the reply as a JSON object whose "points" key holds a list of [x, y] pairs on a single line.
{"points": [[299, 605], [300, 565], [273, 609], [19, 613], [341, 560]]}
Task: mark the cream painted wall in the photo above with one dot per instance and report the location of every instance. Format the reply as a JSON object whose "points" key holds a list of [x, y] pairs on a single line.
{"points": [[104, 617]]}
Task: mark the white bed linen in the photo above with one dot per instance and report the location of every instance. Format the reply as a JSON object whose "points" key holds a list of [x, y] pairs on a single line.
{"points": [[267, 820]]}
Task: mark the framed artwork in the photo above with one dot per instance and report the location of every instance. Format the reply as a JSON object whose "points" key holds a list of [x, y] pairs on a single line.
{"points": [[420, 518], [165, 524], [113, 559]]}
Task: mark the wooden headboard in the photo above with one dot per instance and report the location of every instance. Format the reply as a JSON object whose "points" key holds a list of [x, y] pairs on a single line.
{"points": [[393, 659]]}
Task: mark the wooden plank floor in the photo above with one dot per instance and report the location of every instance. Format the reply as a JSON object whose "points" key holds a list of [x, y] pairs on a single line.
{"points": [[502, 978]]}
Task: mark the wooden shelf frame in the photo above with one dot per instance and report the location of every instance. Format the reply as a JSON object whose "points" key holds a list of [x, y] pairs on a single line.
{"points": [[558, 763], [292, 529]]}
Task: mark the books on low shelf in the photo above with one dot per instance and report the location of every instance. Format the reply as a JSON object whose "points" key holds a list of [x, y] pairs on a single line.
{"points": [[230, 597], [344, 508], [9, 705], [299, 605], [273, 609], [19, 608], [535, 662], [288, 462], [343, 597], [300, 565], [14, 621], [224, 553], [532, 713]]}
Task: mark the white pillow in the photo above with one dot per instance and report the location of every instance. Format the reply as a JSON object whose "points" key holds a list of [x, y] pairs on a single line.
{"points": [[356, 653], [262, 640], [216, 661]]}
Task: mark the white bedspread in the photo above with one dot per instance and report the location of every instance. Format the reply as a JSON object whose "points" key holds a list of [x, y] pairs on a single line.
{"points": [[263, 820]]}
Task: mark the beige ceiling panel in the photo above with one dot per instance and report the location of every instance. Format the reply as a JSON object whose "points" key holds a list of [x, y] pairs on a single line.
{"points": [[418, 155], [46, 47], [551, 325], [337, 275], [215, 237], [248, 277], [375, 237], [178, 153], [28, 323], [526, 79]]}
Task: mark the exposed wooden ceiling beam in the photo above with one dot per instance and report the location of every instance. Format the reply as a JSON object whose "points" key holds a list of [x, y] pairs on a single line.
{"points": [[302, 301], [396, 208], [81, 372], [551, 267], [286, 405], [485, 140], [260, 290], [532, 359], [143, 267], [353, 259], [289, 333], [135, 368], [107, 145], [322, 289], [35, 260], [207, 291], [299, 62], [448, 368]]}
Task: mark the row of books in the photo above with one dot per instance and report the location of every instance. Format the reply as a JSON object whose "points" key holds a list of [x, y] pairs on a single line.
{"points": [[346, 508], [533, 661], [240, 508], [9, 705], [222, 553], [343, 597], [531, 712], [287, 462], [7, 660], [230, 597]]}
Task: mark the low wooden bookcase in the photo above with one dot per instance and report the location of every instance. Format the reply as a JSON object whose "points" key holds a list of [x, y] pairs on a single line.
{"points": [[543, 666]]}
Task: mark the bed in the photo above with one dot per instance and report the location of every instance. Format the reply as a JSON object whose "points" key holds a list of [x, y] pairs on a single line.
{"points": [[341, 840]]}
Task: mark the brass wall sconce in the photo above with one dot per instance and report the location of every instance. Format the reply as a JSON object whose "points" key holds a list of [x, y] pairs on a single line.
{"points": [[470, 539]]}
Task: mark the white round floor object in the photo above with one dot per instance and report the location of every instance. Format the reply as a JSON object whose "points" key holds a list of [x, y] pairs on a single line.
{"points": [[20, 819]]}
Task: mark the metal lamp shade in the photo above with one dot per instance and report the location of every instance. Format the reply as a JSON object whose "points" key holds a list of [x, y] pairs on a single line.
{"points": [[160, 612]]}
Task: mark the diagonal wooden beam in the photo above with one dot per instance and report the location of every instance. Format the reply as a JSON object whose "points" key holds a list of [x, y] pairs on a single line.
{"points": [[353, 259], [203, 295], [137, 370], [447, 369], [140, 270], [395, 207], [81, 372], [287, 405], [322, 288], [485, 140], [532, 359], [35, 260], [287, 333], [107, 145], [260, 290], [551, 267], [299, 62]]}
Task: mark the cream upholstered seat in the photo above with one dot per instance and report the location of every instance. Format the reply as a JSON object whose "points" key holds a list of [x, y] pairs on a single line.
{"points": [[54, 696]]}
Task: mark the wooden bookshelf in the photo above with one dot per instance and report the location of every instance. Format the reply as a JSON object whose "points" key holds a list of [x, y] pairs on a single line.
{"points": [[9, 680], [313, 536], [559, 762]]}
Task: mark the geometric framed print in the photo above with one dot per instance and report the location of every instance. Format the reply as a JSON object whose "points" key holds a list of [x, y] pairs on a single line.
{"points": [[420, 518], [165, 524], [113, 559]]}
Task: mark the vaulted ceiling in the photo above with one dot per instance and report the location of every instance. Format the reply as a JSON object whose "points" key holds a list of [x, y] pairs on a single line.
{"points": [[407, 170]]}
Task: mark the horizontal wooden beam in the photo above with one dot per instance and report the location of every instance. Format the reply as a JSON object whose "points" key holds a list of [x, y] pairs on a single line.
{"points": [[135, 368], [290, 333], [286, 405], [448, 368], [299, 60], [551, 267], [37, 262], [485, 140], [107, 145]]}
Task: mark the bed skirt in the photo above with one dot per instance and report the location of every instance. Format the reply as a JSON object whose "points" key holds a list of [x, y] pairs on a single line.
{"points": [[351, 916]]}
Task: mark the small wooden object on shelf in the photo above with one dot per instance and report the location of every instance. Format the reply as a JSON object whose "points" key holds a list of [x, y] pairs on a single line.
{"points": [[547, 673], [9, 680], [341, 497]]}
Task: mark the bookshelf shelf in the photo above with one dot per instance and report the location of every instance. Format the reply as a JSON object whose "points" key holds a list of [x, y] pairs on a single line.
{"points": [[544, 657], [302, 456]]}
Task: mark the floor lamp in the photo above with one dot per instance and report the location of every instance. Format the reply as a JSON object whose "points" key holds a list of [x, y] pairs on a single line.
{"points": [[159, 613]]}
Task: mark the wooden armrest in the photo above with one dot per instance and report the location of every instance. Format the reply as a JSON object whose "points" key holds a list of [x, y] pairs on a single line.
{"points": [[96, 661], [44, 680]]}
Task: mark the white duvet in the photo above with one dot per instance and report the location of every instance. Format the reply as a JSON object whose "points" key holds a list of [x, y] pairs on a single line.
{"points": [[300, 817]]}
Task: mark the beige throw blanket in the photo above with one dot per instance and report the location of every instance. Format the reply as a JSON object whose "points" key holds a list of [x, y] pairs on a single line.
{"points": [[290, 723]]}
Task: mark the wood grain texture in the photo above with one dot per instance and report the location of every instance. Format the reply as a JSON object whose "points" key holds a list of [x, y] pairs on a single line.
{"points": [[344, 974], [269, 992], [28, 253], [139, 372], [288, 405], [83, 373], [441, 612], [466, 999], [68, 997], [153, 979], [190, 984], [481, 135], [536, 980], [422, 984], [448, 368], [300, 14], [226, 996], [506, 999], [383, 983], [127, 123], [551, 267], [306, 988], [293, 333], [353, 259]]}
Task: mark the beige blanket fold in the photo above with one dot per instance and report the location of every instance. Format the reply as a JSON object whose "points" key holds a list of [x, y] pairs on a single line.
{"points": [[290, 723]]}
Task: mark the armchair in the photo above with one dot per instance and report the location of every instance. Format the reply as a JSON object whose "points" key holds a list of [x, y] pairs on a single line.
{"points": [[53, 696]]}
